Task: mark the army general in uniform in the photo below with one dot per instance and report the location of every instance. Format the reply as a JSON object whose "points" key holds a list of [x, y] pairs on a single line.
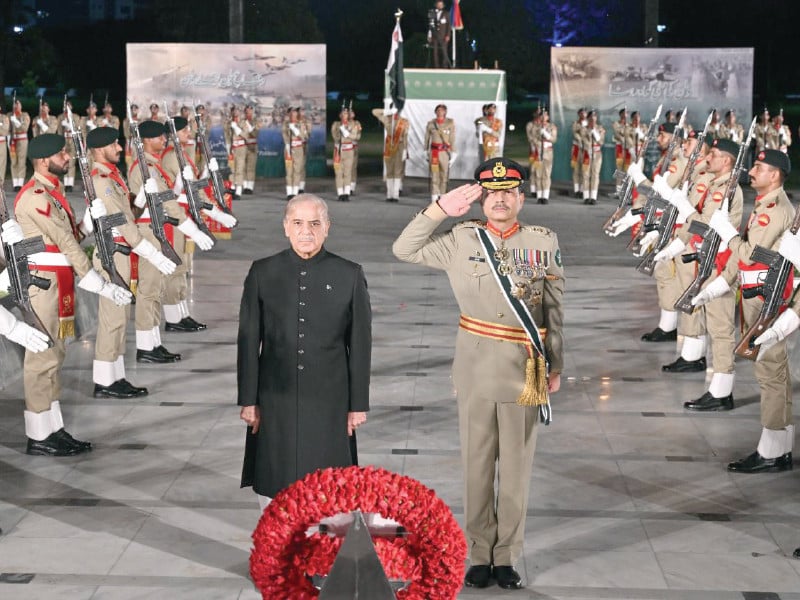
{"points": [[492, 370]]}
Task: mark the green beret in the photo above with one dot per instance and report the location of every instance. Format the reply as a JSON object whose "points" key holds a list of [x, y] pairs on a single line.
{"points": [[101, 137], [151, 129], [775, 158], [666, 128], [728, 146], [180, 123], [499, 174], [45, 145]]}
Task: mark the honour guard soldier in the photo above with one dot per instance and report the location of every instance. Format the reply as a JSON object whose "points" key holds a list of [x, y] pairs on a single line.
{"points": [[357, 130], [762, 131], [395, 148], [440, 138], [20, 122], [5, 134], [771, 218], [176, 294], [63, 129], [729, 129], [779, 136], [508, 281], [576, 160], [205, 118], [344, 135], [622, 140], [109, 119], [302, 118], [151, 283], [544, 136], [126, 131], [592, 137], [113, 196], [490, 129], [89, 122], [236, 140], [42, 210], [533, 152], [155, 113], [250, 133], [295, 138], [45, 122], [638, 133]]}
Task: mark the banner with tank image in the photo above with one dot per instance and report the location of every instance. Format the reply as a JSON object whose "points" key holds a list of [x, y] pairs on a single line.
{"points": [[639, 79], [269, 77]]}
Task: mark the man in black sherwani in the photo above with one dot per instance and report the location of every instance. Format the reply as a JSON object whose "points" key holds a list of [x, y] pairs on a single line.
{"points": [[304, 348]]}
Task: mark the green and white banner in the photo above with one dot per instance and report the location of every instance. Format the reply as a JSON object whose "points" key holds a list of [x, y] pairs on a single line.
{"points": [[639, 79], [464, 92]]}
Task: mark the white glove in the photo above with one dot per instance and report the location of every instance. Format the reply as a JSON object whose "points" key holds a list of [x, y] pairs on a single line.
{"points": [[453, 157], [639, 134], [596, 135], [42, 125], [680, 200], [735, 138], [236, 129], [635, 172], [16, 121], [177, 187], [91, 125], [151, 254], [181, 199], [11, 232], [672, 250], [546, 134], [584, 123], [784, 325], [789, 248], [646, 243], [94, 282], [715, 289], [188, 173], [661, 187], [624, 223], [295, 129], [220, 217], [189, 229], [345, 132], [720, 223], [98, 209], [484, 128], [213, 165], [65, 124], [104, 122], [86, 223], [249, 126], [21, 333], [150, 187]]}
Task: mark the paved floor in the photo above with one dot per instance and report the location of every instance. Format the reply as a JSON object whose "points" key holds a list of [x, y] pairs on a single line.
{"points": [[630, 498]]}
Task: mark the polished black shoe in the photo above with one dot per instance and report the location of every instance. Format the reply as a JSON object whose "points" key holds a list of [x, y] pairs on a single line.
{"points": [[796, 553], [585, 200], [247, 192], [478, 576], [200, 326], [544, 201], [289, 197], [507, 578], [134, 389], [392, 200], [17, 188], [186, 324], [156, 356], [115, 390], [301, 191], [755, 463], [685, 366], [659, 335], [52, 445], [68, 188], [167, 354], [82, 446], [592, 201], [342, 198], [579, 195], [707, 402], [237, 197]]}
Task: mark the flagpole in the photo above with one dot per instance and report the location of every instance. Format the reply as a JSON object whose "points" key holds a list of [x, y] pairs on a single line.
{"points": [[453, 31]]}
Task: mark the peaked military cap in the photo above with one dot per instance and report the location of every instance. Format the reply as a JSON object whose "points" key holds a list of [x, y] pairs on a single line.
{"points": [[45, 145], [151, 129], [499, 174], [101, 137], [775, 158], [728, 146]]}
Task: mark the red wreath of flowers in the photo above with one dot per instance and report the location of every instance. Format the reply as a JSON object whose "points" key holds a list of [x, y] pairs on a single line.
{"points": [[431, 556]]}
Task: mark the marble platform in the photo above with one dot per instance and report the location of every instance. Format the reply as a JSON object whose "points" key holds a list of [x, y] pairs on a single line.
{"points": [[630, 498]]}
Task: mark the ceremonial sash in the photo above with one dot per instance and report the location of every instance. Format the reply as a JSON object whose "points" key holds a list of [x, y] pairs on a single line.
{"points": [[535, 392], [392, 142]]}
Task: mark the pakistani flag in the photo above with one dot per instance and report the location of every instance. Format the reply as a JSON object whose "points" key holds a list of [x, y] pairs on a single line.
{"points": [[394, 69]]}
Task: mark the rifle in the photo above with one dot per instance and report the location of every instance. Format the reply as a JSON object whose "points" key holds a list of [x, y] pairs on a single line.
{"points": [[651, 213], [625, 182], [771, 289], [155, 202], [16, 262], [780, 131], [669, 216], [707, 252], [216, 177], [191, 188], [105, 245]]}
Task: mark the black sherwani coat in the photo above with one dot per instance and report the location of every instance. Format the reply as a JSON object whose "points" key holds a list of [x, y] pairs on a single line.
{"points": [[304, 347]]}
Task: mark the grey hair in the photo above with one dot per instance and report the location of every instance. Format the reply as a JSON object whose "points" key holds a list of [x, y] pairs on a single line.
{"points": [[307, 198]]}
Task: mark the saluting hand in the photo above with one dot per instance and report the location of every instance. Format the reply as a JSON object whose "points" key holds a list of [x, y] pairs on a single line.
{"points": [[456, 202], [252, 416]]}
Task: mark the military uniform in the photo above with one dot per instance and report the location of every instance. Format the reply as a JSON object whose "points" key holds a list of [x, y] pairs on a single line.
{"points": [[344, 136], [438, 38], [440, 138], [761, 134], [5, 131], [48, 124], [20, 122], [624, 140], [236, 140], [357, 130], [533, 149], [206, 120], [592, 139], [295, 137], [489, 373], [109, 121], [63, 129], [779, 137], [89, 123], [490, 129], [544, 136], [250, 129], [576, 161], [731, 131], [395, 150]]}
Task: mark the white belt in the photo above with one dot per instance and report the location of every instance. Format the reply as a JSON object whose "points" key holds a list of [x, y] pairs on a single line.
{"points": [[20, 136], [752, 277], [547, 145], [596, 147], [237, 143], [145, 214], [346, 147], [297, 143], [48, 259], [190, 142]]}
